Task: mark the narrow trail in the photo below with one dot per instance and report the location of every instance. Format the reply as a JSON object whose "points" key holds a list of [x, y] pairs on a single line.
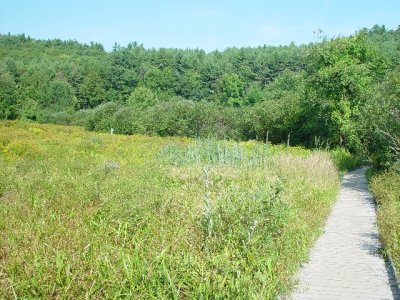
{"points": [[345, 262]]}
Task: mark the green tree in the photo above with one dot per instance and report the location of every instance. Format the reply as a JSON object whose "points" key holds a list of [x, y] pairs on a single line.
{"points": [[380, 121], [162, 81], [339, 74], [58, 96], [8, 109], [142, 97], [254, 94], [190, 85], [232, 90]]}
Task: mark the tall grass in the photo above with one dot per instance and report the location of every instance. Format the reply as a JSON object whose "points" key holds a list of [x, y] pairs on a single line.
{"points": [[346, 161], [88, 215], [209, 151], [386, 188]]}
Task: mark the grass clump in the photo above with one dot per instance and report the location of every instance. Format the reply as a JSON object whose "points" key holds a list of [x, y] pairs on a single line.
{"points": [[86, 215], [210, 151], [386, 188], [346, 161]]}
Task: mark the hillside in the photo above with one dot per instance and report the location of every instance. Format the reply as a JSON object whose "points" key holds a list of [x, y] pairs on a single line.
{"points": [[338, 92]]}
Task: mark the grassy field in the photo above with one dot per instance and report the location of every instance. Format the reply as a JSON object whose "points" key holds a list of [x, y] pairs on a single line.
{"points": [[386, 188], [90, 215]]}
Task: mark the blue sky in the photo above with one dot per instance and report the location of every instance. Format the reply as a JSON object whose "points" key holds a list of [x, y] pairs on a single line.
{"points": [[202, 24]]}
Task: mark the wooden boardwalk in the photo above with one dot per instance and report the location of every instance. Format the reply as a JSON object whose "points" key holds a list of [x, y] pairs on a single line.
{"points": [[346, 262]]}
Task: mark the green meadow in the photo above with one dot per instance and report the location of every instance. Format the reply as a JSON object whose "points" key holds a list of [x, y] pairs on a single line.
{"points": [[94, 215]]}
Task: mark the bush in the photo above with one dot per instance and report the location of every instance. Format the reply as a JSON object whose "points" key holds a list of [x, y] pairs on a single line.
{"points": [[277, 118], [171, 118], [195, 119], [344, 160], [102, 118], [79, 118], [127, 121], [55, 117]]}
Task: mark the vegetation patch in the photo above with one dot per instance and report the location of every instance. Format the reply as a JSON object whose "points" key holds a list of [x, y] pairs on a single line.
{"points": [[386, 188], [112, 216], [346, 161]]}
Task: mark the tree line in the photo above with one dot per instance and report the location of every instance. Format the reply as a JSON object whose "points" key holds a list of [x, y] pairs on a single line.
{"points": [[337, 92]]}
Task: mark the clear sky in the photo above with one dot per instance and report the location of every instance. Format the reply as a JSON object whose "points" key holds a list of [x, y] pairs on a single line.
{"points": [[201, 24]]}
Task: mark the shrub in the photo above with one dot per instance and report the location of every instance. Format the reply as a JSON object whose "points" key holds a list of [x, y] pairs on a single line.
{"points": [[126, 120], [79, 118], [171, 118], [102, 118], [344, 160]]}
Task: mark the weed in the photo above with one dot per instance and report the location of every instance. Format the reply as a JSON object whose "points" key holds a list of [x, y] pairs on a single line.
{"points": [[208, 221]]}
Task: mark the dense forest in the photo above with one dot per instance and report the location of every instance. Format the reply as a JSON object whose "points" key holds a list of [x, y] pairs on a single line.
{"points": [[343, 91]]}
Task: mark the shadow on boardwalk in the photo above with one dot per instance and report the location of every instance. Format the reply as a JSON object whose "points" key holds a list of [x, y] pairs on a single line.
{"points": [[346, 261]]}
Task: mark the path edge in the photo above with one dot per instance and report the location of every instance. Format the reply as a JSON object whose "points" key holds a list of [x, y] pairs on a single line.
{"points": [[386, 253], [394, 271]]}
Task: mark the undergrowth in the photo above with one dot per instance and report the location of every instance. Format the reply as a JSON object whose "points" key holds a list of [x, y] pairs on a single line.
{"points": [[346, 161]]}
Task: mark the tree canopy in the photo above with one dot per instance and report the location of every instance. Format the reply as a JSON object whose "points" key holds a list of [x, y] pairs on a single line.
{"points": [[341, 91]]}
